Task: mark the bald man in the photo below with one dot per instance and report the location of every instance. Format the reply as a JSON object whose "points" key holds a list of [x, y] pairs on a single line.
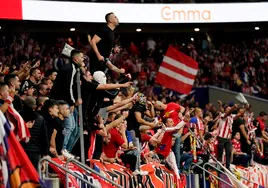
{"points": [[171, 110]]}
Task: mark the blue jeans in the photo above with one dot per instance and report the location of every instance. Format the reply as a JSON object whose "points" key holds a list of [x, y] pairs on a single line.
{"points": [[188, 159], [136, 143], [177, 151], [71, 131]]}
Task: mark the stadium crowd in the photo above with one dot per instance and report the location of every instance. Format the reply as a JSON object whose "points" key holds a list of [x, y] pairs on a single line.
{"points": [[239, 66], [125, 122]]}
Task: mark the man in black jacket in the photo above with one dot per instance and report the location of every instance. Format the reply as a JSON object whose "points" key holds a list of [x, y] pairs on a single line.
{"points": [[37, 147], [65, 88]]}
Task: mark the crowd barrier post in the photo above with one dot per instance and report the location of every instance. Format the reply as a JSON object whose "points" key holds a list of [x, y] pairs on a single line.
{"points": [[210, 165], [80, 115], [67, 171], [204, 179]]}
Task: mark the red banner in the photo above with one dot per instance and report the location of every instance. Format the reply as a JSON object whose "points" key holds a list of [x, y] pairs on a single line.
{"points": [[158, 175]]}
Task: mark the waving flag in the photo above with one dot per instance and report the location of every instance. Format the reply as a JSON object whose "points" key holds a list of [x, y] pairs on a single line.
{"points": [[177, 71], [18, 125], [17, 170]]}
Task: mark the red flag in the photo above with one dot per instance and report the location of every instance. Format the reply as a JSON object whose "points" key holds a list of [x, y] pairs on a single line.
{"points": [[18, 125], [177, 71], [16, 168]]}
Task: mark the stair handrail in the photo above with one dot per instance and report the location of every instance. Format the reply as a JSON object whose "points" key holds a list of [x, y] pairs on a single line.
{"points": [[87, 168], [214, 167], [204, 178], [67, 171], [209, 154]]}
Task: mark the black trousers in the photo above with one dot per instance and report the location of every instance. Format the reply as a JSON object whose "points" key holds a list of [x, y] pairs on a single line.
{"points": [[224, 144], [96, 65], [34, 158], [245, 147], [129, 160]]}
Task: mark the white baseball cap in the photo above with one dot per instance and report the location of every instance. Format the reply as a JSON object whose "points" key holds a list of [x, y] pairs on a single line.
{"points": [[100, 77]]}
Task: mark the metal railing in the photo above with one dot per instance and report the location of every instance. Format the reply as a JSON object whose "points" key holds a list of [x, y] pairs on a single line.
{"points": [[217, 162], [87, 168], [205, 170], [208, 164], [67, 171], [204, 176], [80, 116]]}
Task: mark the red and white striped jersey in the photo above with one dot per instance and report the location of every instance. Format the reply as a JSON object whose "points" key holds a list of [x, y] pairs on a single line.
{"points": [[250, 128], [211, 147], [195, 122], [225, 126]]}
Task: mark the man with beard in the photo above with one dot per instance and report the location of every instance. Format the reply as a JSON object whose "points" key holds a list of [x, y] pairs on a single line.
{"points": [[35, 77], [65, 88], [102, 44], [43, 90], [12, 81]]}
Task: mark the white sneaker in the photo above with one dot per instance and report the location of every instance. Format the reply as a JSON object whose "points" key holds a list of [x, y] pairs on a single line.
{"points": [[140, 172], [212, 161], [199, 162], [66, 154]]}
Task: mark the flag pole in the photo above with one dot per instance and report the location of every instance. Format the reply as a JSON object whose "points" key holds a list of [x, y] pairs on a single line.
{"points": [[80, 115]]}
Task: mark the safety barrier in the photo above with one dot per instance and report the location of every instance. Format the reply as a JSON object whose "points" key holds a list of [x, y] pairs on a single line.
{"points": [[204, 176], [87, 168], [62, 168]]}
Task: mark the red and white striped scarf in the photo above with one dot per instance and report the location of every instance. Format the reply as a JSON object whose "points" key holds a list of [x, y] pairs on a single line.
{"points": [[18, 125]]}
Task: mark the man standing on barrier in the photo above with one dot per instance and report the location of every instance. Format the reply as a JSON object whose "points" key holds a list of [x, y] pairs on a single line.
{"points": [[103, 45]]}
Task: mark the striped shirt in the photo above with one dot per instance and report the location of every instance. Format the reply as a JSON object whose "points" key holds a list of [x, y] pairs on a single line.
{"points": [[198, 125], [225, 126]]}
